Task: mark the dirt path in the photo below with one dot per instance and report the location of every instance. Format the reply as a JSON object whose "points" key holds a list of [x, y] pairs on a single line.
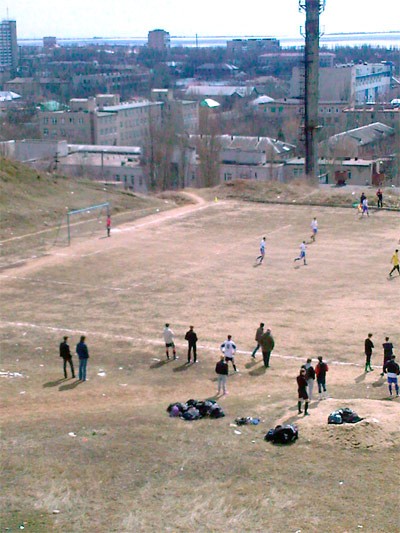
{"points": [[120, 236]]}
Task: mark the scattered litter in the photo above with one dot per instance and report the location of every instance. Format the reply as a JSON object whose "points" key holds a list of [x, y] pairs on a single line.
{"points": [[72, 434], [156, 359], [238, 432], [157, 210], [120, 368], [11, 375], [103, 394], [123, 384], [247, 420], [101, 374], [341, 482], [359, 526], [39, 348], [23, 392], [41, 365], [84, 439], [24, 333], [253, 441], [56, 511], [233, 425]]}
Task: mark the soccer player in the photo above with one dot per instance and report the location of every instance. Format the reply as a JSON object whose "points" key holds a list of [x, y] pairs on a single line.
{"points": [[228, 348], [302, 391], [314, 227], [260, 258], [191, 338], [302, 253], [169, 341], [259, 334], [365, 209], [108, 225], [320, 370], [393, 370], [221, 368], [395, 263], [368, 346], [387, 353], [379, 195], [65, 353]]}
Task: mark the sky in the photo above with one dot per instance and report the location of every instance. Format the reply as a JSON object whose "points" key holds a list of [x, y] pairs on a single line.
{"points": [[134, 18]]}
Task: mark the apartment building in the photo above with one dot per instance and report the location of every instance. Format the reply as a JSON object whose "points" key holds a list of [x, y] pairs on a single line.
{"points": [[158, 40], [87, 123], [8, 45]]}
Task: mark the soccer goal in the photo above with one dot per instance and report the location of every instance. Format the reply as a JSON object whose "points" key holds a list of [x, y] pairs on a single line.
{"points": [[84, 222]]}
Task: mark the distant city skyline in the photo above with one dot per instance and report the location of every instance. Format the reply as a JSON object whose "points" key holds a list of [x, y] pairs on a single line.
{"points": [[121, 18]]}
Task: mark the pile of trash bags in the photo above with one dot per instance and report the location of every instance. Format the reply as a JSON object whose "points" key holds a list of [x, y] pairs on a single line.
{"points": [[344, 416], [195, 409], [282, 434], [247, 420]]}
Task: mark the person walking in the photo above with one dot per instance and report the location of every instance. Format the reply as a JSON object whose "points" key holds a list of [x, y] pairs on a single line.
{"points": [[83, 354], [387, 353], [108, 225], [191, 337], [302, 391], [65, 353], [302, 253], [221, 368], [379, 196], [260, 258], [368, 347], [169, 341], [314, 228], [393, 370], [395, 263], [259, 334], [228, 348], [310, 377], [267, 345], [365, 207], [320, 370]]}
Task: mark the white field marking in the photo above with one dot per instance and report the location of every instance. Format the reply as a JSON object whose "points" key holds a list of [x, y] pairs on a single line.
{"points": [[19, 237], [156, 342], [69, 283]]}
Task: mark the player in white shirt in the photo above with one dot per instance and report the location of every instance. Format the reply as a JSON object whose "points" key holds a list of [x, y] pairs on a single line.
{"points": [[228, 348], [302, 253], [314, 227], [260, 258], [365, 209], [169, 341]]}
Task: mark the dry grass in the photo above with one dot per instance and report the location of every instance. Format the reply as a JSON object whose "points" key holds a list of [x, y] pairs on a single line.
{"points": [[131, 468]]}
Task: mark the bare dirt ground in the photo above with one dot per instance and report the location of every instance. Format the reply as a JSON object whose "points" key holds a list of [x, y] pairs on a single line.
{"points": [[127, 466]]}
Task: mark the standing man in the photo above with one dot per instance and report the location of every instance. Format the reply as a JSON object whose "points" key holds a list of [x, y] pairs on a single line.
{"points": [[191, 337], [310, 377], [393, 370], [65, 353], [260, 258], [169, 341], [395, 263], [365, 208], [221, 368], [368, 346], [302, 391], [387, 353], [320, 370], [379, 195], [267, 345], [228, 348], [259, 334], [314, 228], [108, 225], [83, 354], [302, 253]]}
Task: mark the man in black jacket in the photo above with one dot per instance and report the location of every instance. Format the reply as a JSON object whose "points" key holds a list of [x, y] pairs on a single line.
{"points": [[191, 337], [66, 355], [368, 346], [393, 371]]}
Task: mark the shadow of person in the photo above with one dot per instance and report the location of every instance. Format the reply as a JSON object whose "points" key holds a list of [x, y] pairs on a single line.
{"points": [[70, 386], [380, 382], [159, 364], [360, 378], [53, 383], [182, 368], [252, 363], [257, 265], [258, 371]]}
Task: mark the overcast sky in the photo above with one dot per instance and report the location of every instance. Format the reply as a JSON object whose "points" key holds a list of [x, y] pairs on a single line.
{"points": [[134, 18]]}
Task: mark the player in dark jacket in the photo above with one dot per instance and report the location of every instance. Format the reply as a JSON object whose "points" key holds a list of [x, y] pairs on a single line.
{"points": [[83, 354], [393, 370], [387, 352], [191, 337], [221, 369], [65, 353], [302, 391], [320, 370], [368, 346]]}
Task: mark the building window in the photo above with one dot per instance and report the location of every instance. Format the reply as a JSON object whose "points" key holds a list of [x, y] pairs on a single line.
{"points": [[45, 131], [227, 176], [46, 120], [54, 121]]}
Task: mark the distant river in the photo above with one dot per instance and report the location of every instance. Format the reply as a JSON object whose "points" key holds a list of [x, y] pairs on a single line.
{"points": [[385, 40]]}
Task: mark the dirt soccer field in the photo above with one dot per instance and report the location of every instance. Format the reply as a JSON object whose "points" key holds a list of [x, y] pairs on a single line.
{"points": [[104, 456]]}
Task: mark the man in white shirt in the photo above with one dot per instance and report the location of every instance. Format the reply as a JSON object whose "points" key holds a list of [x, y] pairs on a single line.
{"points": [[314, 227], [302, 253], [228, 348], [365, 209], [169, 341]]}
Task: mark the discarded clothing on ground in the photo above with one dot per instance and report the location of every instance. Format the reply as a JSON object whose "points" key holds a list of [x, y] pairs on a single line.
{"points": [[344, 416], [195, 409], [282, 434], [247, 420]]}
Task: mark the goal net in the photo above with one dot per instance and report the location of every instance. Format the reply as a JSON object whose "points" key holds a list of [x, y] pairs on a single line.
{"points": [[82, 223]]}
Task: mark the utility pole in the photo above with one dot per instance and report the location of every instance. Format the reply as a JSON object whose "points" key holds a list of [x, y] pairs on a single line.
{"points": [[312, 8]]}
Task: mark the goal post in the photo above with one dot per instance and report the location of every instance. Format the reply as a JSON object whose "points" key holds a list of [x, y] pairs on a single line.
{"points": [[101, 211]]}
